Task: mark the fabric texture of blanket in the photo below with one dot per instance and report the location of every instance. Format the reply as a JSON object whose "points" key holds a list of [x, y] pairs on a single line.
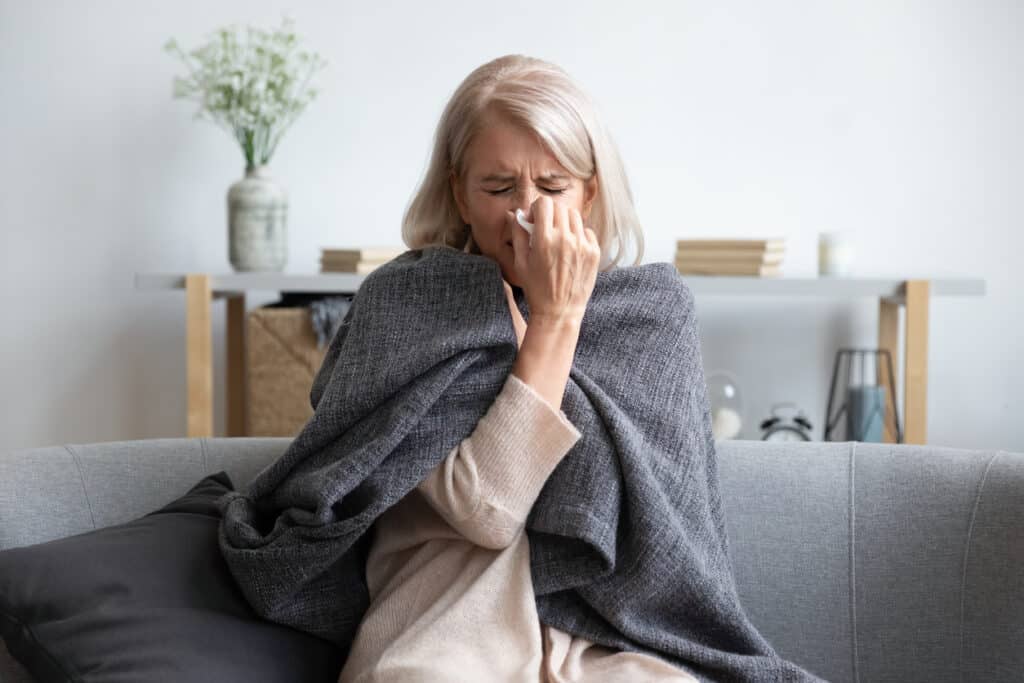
{"points": [[627, 539]]}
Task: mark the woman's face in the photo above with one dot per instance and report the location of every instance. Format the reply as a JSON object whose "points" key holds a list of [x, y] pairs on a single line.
{"points": [[506, 168]]}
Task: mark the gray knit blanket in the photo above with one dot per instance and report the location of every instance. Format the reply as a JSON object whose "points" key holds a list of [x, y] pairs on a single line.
{"points": [[627, 540]]}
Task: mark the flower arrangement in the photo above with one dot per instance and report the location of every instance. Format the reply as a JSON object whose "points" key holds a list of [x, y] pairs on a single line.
{"points": [[254, 88]]}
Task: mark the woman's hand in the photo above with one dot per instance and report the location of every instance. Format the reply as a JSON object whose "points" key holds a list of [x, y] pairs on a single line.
{"points": [[558, 267], [517, 318]]}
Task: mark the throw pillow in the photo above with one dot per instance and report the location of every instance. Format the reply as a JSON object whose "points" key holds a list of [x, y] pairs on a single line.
{"points": [[150, 601]]}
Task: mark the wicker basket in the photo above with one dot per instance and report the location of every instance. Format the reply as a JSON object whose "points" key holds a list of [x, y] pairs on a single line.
{"points": [[281, 361]]}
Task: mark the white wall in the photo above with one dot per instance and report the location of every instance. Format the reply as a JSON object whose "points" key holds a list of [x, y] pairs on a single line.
{"points": [[897, 122]]}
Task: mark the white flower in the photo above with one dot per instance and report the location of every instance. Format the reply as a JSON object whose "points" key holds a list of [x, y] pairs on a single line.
{"points": [[254, 88]]}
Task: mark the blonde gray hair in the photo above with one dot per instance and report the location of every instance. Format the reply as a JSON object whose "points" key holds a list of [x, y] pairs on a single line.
{"points": [[542, 98]]}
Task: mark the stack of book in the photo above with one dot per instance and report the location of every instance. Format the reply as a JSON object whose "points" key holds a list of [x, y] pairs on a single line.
{"points": [[360, 261], [756, 257]]}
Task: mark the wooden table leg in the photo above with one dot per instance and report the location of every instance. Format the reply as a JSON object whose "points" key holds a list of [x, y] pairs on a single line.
{"points": [[198, 355], [236, 365], [888, 340], [915, 362]]}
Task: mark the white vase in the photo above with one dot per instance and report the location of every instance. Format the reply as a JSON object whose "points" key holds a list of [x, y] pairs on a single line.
{"points": [[257, 222]]}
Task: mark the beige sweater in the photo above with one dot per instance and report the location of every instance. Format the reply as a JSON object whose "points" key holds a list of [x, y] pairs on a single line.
{"points": [[451, 598]]}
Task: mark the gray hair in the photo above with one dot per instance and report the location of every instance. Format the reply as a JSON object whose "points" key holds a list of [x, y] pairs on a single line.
{"points": [[542, 98]]}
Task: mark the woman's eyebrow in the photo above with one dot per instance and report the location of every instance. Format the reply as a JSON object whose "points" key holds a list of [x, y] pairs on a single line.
{"points": [[505, 177]]}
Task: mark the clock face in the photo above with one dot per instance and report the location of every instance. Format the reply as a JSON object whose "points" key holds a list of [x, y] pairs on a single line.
{"points": [[785, 434]]}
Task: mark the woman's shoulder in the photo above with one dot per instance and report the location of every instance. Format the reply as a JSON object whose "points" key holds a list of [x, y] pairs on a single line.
{"points": [[428, 269], [657, 282]]}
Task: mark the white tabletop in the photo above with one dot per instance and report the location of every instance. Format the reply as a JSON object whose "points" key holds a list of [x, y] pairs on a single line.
{"points": [[700, 285]]}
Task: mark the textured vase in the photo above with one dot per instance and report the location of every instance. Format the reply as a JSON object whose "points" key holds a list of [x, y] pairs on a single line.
{"points": [[257, 222]]}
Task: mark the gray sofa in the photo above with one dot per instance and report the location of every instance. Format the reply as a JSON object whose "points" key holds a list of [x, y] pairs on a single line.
{"points": [[861, 562]]}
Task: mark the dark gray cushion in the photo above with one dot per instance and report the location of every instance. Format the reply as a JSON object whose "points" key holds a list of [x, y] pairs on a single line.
{"points": [[149, 600]]}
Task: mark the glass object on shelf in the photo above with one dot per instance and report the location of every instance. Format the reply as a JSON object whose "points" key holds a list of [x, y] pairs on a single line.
{"points": [[726, 405]]}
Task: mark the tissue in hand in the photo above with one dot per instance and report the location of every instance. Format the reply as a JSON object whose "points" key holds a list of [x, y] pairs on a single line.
{"points": [[521, 217]]}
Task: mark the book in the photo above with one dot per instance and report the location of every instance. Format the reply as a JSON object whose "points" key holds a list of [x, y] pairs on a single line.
{"points": [[358, 269], [365, 253], [769, 244], [349, 261], [727, 268], [731, 255]]}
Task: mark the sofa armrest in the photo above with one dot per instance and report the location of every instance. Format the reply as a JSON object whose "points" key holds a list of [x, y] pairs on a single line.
{"points": [[880, 561]]}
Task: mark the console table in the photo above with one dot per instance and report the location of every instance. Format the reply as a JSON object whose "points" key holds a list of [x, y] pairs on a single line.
{"points": [[912, 296]]}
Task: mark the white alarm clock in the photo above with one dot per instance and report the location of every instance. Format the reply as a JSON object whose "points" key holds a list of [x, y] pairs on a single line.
{"points": [[780, 427]]}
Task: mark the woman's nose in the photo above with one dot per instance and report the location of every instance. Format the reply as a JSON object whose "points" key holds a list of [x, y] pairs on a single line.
{"points": [[525, 199]]}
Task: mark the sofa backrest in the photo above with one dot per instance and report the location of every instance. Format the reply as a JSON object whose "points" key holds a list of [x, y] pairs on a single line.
{"points": [[878, 562], [57, 491]]}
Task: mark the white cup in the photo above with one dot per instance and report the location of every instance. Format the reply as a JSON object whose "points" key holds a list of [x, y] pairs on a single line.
{"points": [[835, 255]]}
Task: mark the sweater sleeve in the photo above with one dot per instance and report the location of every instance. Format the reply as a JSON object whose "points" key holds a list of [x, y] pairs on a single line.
{"points": [[487, 484]]}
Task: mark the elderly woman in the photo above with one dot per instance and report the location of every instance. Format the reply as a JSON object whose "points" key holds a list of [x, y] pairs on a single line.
{"points": [[451, 597], [510, 473]]}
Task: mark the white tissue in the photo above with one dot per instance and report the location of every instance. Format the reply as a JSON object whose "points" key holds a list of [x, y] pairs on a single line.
{"points": [[521, 217]]}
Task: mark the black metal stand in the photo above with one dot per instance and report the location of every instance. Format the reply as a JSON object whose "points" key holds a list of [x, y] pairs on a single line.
{"points": [[849, 355]]}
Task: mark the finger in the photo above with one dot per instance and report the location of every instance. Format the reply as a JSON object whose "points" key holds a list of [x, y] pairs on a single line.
{"points": [[595, 244], [576, 224], [576, 228], [562, 212], [521, 249], [543, 219], [588, 239]]}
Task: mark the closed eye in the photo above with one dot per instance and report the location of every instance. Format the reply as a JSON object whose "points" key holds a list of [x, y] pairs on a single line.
{"points": [[562, 191]]}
